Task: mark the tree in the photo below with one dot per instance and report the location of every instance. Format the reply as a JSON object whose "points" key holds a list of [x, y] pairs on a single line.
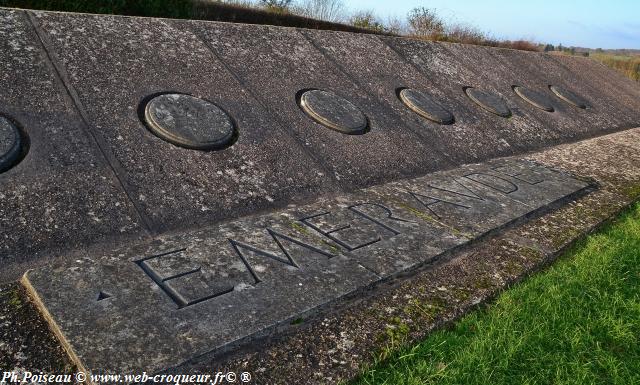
{"points": [[276, 5], [329, 10], [464, 33], [367, 20], [425, 22], [548, 47], [396, 26]]}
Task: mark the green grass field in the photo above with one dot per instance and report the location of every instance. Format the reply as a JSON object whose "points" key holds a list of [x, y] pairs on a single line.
{"points": [[576, 323]]}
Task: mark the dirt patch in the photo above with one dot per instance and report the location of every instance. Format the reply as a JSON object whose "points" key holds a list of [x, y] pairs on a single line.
{"points": [[26, 343]]}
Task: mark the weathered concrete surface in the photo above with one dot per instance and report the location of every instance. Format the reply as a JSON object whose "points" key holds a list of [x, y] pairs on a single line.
{"points": [[178, 298], [383, 74], [569, 97], [619, 90], [334, 112], [277, 63], [425, 106], [489, 101], [63, 194], [523, 130], [189, 122], [494, 67], [500, 69], [536, 98], [607, 110], [114, 63]]}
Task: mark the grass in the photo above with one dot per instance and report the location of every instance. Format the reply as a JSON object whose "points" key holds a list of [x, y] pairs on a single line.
{"points": [[628, 65], [576, 323]]}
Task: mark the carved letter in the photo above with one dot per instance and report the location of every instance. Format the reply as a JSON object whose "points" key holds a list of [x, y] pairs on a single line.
{"points": [[171, 292], [329, 233], [529, 178], [354, 208], [428, 201], [493, 182], [286, 258], [470, 194]]}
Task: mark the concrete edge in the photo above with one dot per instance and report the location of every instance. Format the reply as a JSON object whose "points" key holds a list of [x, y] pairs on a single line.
{"points": [[53, 326]]}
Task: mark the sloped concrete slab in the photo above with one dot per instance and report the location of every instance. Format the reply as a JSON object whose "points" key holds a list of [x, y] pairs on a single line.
{"points": [[610, 107], [387, 71], [459, 65], [118, 63], [63, 194], [157, 305], [454, 72], [278, 64]]}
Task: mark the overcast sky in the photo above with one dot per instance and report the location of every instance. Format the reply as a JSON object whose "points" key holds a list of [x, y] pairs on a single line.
{"points": [[587, 23]]}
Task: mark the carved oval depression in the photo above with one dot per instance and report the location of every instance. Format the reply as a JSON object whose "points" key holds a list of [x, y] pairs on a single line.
{"points": [[569, 97], [422, 104], [189, 122], [334, 111], [10, 144], [534, 98], [490, 102]]}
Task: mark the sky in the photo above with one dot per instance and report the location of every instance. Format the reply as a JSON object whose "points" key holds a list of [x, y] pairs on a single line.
{"points": [[586, 23]]}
